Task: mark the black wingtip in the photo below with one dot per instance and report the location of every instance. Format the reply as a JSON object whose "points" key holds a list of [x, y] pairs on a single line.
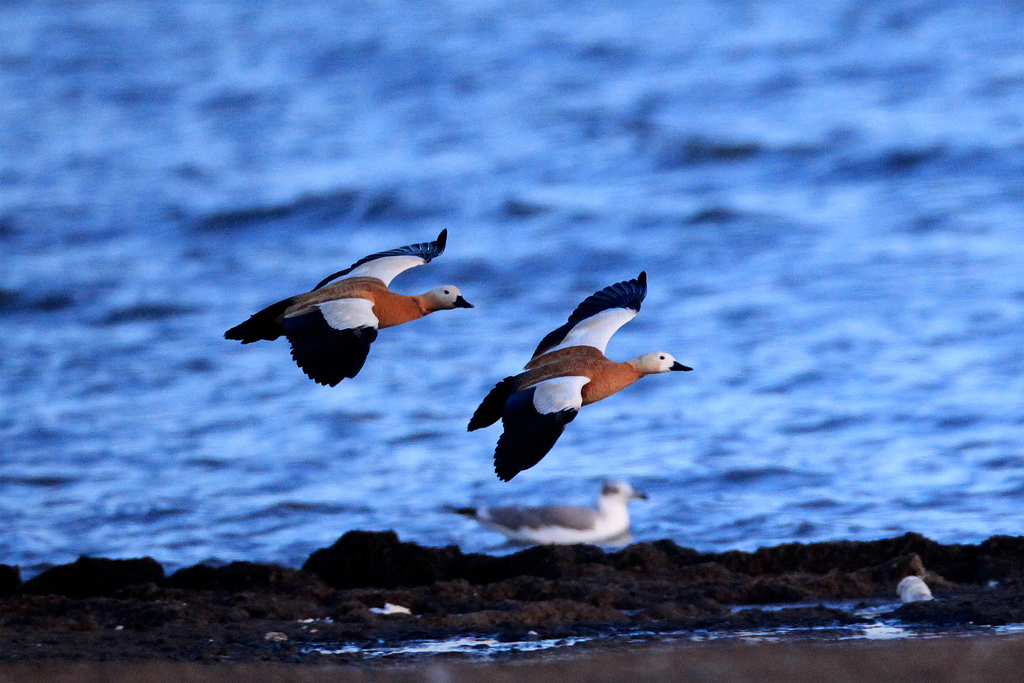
{"points": [[505, 476], [506, 471], [261, 325], [490, 408], [425, 250], [625, 294]]}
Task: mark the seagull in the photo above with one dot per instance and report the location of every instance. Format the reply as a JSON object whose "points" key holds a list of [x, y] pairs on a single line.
{"points": [[332, 326], [568, 370], [551, 524]]}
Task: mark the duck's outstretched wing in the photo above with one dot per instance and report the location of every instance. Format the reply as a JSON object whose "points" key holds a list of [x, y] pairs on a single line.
{"points": [[330, 341], [265, 324], [386, 265], [491, 407], [596, 319], [533, 419]]}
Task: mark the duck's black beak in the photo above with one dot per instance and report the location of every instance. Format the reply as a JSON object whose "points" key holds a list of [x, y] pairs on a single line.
{"points": [[679, 366], [462, 303]]}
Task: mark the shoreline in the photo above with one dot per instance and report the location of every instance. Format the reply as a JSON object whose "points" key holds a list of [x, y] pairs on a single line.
{"points": [[103, 610], [936, 660]]}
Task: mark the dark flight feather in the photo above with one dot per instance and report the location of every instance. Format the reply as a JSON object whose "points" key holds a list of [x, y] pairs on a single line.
{"points": [[425, 250], [491, 407], [325, 354], [528, 435], [626, 294], [261, 325]]}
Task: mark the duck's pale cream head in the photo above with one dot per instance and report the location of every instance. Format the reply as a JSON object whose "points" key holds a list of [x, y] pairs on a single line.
{"points": [[659, 361], [445, 297]]}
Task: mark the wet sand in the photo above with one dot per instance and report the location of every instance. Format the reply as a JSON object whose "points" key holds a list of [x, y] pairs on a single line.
{"points": [[932, 661], [103, 619]]}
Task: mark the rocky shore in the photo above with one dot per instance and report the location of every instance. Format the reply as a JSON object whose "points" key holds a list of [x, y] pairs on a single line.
{"points": [[128, 610]]}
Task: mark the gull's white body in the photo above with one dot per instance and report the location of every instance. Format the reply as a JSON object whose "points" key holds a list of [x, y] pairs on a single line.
{"points": [[564, 524]]}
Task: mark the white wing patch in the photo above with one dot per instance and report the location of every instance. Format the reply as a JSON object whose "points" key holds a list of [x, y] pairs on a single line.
{"points": [[346, 314], [561, 393], [386, 267], [597, 329]]}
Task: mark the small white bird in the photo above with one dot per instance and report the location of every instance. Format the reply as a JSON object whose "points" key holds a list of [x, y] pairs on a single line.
{"points": [[913, 589], [562, 524]]}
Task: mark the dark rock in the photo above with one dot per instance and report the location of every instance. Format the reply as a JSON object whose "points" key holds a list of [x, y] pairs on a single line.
{"points": [[246, 576], [561, 611], [849, 556], [91, 577], [644, 558], [546, 561], [771, 589], [10, 578], [367, 558], [447, 597], [898, 568], [209, 613], [999, 557]]}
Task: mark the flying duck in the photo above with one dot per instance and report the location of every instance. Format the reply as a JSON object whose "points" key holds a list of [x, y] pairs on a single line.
{"points": [[568, 370], [332, 326], [606, 520]]}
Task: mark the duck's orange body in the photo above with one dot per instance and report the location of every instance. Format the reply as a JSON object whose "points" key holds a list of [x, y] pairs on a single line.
{"points": [[332, 326], [390, 308], [606, 377], [568, 370]]}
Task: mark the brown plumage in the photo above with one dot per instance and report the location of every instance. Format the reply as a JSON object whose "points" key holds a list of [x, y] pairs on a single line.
{"points": [[606, 376], [331, 327], [568, 370], [390, 308]]}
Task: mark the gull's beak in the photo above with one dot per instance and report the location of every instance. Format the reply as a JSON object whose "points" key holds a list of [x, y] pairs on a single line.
{"points": [[462, 303], [679, 366], [639, 495]]}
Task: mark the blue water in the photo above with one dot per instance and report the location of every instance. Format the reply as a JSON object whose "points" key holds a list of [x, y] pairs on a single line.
{"points": [[827, 200]]}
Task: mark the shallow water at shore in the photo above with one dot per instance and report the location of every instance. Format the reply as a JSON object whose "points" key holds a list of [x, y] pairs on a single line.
{"points": [[488, 647]]}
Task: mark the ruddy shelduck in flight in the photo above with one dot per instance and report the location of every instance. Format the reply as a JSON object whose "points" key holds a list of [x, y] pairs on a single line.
{"points": [[332, 326], [568, 370]]}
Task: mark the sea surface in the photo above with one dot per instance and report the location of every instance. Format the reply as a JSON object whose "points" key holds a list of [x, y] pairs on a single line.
{"points": [[827, 199]]}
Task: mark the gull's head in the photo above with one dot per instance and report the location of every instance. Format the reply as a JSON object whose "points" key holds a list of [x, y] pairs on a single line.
{"points": [[618, 489], [446, 297], [659, 361]]}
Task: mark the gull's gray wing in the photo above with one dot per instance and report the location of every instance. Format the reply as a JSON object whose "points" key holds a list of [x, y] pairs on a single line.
{"points": [[576, 517]]}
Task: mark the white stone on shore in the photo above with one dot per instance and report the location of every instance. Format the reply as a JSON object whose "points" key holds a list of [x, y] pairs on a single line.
{"points": [[913, 589]]}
